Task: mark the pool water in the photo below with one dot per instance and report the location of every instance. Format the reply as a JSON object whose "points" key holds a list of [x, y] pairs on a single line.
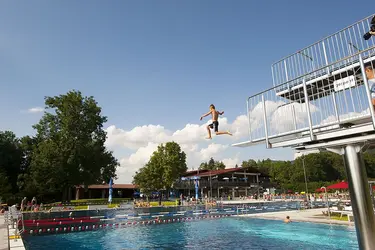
{"points": [[227, 233]]}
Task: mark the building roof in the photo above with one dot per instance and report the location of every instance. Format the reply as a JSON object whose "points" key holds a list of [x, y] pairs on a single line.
{"points": [[194, 172], [217, 172]]}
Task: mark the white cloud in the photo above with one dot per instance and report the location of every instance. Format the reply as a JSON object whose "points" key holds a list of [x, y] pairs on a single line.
{"points": [[212, 150], [232, 162], [35, 110], [143, 140]]}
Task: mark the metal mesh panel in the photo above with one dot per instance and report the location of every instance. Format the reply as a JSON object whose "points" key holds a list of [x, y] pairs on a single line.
{"points": [[328, 98], [340, 45]]}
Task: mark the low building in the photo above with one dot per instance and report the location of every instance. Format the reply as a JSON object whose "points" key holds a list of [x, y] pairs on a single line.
{"points": [[223, 183], [102, 191]]}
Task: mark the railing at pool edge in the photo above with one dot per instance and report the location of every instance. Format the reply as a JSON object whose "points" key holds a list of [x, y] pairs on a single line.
{"points": [[7, 225], [118, 225]]}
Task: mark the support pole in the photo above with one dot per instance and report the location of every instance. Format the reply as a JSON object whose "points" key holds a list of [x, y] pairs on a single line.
{"points": [[265, 122], [304, 172], [307, 103], [249, 117], [360, 197]]}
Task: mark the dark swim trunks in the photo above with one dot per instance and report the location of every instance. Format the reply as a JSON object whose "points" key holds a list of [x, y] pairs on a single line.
{"points": [[214, 125]]}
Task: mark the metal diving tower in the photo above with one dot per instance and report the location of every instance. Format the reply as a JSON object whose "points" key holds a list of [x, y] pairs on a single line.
{"points": [[321, 99]]}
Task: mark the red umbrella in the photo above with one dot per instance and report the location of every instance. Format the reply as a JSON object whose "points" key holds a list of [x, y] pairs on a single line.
{"points": [[319, 190], [340, 185]]}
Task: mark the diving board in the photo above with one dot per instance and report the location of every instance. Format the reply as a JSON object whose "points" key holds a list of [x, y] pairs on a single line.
{"points": [[321, 100]]}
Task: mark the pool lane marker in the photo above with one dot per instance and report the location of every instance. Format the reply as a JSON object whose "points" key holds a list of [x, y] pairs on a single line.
{"points": [[119, 225]]}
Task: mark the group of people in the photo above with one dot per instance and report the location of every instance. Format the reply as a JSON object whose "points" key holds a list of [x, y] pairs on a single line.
{"points": [[141, 203], [30, 205]]}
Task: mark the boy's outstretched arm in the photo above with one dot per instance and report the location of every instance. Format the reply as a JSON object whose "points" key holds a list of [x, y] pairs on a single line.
{"points": [[221, 113], [208, 113]]}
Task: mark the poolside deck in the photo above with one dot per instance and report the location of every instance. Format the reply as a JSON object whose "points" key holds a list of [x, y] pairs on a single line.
{"points": [[15, 244], [3, 234], [253, 201], [310, 215]]}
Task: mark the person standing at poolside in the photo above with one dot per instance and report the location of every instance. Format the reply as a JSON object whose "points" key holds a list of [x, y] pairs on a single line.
{"points": [[215, 124], [23, 204]]}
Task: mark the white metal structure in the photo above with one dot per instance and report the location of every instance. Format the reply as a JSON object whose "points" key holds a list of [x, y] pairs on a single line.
{"points": [[321, 100], [331, 49]]}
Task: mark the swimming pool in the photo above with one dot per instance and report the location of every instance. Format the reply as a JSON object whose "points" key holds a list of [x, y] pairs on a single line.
{"points": [[226, 233]]}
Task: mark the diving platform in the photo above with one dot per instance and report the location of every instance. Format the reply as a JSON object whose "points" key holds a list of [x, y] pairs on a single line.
{"points": [[321, 100], [339, 106]]}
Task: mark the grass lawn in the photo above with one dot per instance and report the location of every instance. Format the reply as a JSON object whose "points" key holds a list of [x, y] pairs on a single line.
{"points": [[336, 217], [163, 203]]}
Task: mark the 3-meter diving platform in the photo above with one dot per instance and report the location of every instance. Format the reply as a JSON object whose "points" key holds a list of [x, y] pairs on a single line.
{"points": [[321, 99]]}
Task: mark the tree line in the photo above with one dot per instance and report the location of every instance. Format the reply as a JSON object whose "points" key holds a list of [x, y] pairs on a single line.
{"points": [[67, 150], [212, 165], [322, 169], [168, 163]]}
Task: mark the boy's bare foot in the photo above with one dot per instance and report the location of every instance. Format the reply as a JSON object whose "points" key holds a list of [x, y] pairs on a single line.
{"points": [[229, 133], [208, 138]]}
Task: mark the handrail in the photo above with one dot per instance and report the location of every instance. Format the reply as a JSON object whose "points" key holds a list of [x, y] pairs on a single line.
{"points": [[311, 72], [6, 220], [326, 37]]}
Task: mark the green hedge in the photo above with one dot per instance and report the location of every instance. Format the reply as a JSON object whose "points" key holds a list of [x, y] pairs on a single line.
{"points": [[80, 207], [112, 205]]}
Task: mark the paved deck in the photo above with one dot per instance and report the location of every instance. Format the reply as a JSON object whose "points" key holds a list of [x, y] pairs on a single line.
{"points": [[15, 244], [3, 234], [251, 201], [310, 215]]}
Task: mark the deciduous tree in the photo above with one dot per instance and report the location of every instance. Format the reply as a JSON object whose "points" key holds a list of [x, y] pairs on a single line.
{"points": [[70, 149], [10, 158], [165, 166], [212, 165]]}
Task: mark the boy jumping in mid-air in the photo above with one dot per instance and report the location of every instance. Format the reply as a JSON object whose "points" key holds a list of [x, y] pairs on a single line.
{"points": [[215, 124]]}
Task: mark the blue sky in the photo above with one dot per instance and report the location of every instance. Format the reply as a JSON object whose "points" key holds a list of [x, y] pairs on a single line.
{"points": [[154, 62]]}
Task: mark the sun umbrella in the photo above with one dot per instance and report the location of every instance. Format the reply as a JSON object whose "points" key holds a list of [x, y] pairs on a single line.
{"points": [[340, 185], [110, 190]]}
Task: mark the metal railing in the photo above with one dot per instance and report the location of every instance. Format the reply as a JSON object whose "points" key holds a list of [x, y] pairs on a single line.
{"points": [[323, 103], [331, 49], [6, 220], [16, 221]]}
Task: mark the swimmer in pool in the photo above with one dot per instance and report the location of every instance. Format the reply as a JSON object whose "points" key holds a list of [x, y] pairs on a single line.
{"points": [[287, 220]]}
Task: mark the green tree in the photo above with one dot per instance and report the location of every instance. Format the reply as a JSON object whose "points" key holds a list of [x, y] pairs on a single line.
{"points": [[249, 163], [212, 165], [10, 158], [369, 159], [166, 165], [219, 165], [70, 149], [25, 183], [203, 166], [5, 187]]}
